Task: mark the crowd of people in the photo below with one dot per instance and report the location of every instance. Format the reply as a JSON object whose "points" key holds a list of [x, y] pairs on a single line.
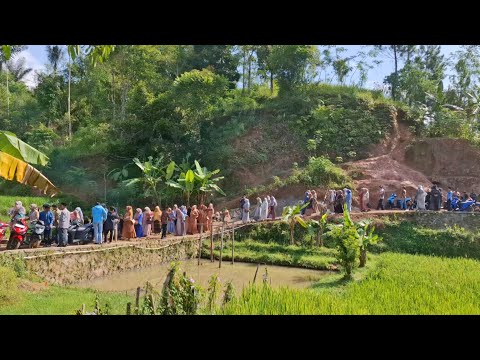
{"points": [[264, 209], [106, 222]]}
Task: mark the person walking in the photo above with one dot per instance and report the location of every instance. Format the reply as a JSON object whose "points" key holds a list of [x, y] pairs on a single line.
{"points": [[138, 217], [420, 197], [99, 215], [381, 198], [273, 205], [449, 199], [157, 220], [63, 225], [348, 199], [246, 211], [128, 228], [164, 219], [147, 221], [47, 217], [109, 226]]}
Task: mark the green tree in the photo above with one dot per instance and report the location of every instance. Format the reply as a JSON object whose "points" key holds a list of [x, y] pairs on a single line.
{"points": [[18, 69], [291, 64], [54, 55]]}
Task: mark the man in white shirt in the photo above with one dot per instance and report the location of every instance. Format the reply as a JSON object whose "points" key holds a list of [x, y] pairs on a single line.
{"points": [[381, 197]]}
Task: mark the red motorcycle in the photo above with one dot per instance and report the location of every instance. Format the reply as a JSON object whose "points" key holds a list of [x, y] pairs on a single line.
{"points": [[3, 229], [18, 233]]}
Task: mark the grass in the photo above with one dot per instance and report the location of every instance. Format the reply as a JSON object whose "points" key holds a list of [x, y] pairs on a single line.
{"points": [[7, 202], [406, 237], [58, 300], [398, 284], [275, 254]]}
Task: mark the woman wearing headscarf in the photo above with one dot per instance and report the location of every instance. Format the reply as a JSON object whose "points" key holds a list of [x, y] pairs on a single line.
{"points": [[157, 220], [210, 214], [164, 219], [34, 214], [173, 216], [138, 217], [339, 200], [258, 210], [273, 205], [171, 222], [314, 201], [193, 220], [184, 219], [420, 197], [306, 200], [246, 211], [330, 196], [264, 209], [80, 215], [202, 218], [308, 210], [75, 217], [18, 211], [128, 228], [178, 225], [147, 221]]}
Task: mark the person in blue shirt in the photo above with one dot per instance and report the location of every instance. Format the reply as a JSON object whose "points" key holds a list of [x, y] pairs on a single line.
{"points": [[47, 217], [99, 215], [348, 199], [449, 198], [306, 199]]}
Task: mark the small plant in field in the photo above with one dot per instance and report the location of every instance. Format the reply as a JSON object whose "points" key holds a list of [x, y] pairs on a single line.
{"points": [[229, 293], [317, 229], [212, 291], [191, 295]]}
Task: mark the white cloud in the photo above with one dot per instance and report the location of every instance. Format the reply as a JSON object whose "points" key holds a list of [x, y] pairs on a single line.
{"points": [[31, 62]]}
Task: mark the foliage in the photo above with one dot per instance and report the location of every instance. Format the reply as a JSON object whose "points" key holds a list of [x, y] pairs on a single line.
{"points": [[8, 286], [154, 173], [212, 291], [228, 294], [292, 216], [408, 238], [272, 253]]}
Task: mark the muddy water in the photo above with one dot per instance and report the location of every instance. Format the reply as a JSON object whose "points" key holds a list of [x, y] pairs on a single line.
{"points": [[240, 274]]}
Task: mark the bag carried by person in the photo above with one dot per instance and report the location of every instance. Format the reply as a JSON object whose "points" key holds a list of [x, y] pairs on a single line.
{"points": [[150, 218]]}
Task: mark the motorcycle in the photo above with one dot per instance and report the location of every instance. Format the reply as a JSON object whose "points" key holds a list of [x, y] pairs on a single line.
{"points": [[35, 234], [18, 231], [391, 201], [80, 233], [3, 229]]}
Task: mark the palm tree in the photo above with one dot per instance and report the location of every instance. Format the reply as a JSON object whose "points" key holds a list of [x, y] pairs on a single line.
{"points": [[15, 157], [9, 51], [55, 55], [292, 215], [18, 69]]}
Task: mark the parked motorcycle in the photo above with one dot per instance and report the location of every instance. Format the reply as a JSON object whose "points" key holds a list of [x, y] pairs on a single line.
{"points": [[80, 234], [3, 229], [35, 234], [18, 231]]}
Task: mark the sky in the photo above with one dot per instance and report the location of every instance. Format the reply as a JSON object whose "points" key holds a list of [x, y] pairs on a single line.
{"points": [[36, 58]]}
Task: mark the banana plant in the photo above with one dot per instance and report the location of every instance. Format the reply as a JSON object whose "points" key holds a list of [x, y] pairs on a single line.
{"points": [[366, 237], [206, 182], [186, 183], [154, 173], [317, 228], [292, 215]]}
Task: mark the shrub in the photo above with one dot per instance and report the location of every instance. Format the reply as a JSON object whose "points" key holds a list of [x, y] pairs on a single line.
{"points": [[8, 285]]}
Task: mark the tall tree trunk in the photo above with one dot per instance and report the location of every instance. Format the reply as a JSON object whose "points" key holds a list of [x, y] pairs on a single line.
{"points": [[8, 99], [394, 85], [69, 82], [113, 95], [249, 69], [271, 82], [243, 70], [292, 230]]}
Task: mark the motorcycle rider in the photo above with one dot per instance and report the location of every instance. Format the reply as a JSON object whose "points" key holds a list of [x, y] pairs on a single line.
{"points": [[47, 217], [17, 213]]}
